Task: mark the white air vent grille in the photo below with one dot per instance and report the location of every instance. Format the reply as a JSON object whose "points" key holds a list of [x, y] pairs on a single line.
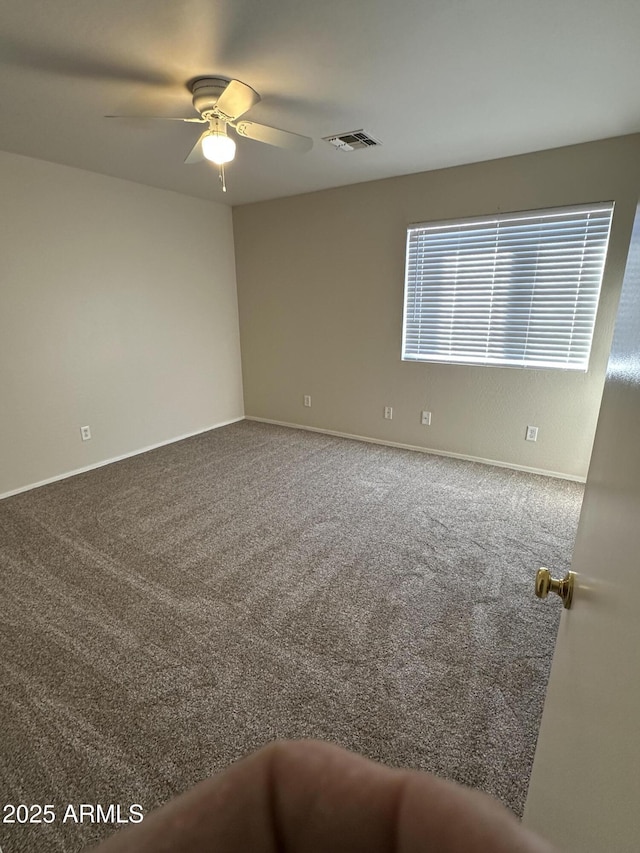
{"points": [[354, 140]]}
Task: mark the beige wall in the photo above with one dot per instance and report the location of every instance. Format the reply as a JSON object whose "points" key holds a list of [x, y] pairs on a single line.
{"points": [[320, 289], [118, 309]]}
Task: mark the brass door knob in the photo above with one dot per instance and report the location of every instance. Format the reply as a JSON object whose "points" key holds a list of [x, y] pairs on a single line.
{"points": [[546, 584]]}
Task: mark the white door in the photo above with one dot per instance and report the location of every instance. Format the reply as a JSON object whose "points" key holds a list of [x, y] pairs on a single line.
{"points": [[584, 793]]}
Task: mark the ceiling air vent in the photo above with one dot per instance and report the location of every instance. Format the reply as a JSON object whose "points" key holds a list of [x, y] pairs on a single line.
{"points": [[352, 141]]}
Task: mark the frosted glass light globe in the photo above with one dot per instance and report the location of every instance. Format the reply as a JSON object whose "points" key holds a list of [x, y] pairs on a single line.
{"points": [[218, 147]]}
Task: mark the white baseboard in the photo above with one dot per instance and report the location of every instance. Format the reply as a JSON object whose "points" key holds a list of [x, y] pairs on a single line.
{"points": [[365, 438], [574, 478], [116, 459]]}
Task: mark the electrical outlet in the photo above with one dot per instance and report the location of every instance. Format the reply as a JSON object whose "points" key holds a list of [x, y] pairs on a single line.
{"points": [[388, 412], [307, 400], [532, 433], [85, 432], [425, 419]]}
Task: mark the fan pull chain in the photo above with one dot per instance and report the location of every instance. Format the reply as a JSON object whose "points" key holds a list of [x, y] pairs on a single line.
{"points": [[222, 178]]}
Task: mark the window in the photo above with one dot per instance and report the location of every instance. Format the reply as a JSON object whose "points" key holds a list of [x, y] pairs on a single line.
{"points": [[516, 290]]}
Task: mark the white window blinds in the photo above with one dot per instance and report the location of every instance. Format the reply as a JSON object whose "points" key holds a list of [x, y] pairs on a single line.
{"points": [[518, 290]]}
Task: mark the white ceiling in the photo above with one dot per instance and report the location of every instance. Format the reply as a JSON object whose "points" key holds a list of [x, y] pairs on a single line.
{"points": [[439, 82]]}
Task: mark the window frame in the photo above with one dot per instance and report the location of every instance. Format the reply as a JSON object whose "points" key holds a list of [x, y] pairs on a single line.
{"points": [[495, 220]]}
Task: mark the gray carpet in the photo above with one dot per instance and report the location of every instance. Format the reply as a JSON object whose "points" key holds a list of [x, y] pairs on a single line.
{"points": [[162, 616]]}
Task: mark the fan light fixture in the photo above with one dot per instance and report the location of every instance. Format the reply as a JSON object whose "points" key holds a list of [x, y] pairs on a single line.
{"points": [[217, 146], [219, 102]]}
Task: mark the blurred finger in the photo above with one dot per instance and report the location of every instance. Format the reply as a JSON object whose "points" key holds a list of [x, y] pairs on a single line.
{"points": [[312, 797]]}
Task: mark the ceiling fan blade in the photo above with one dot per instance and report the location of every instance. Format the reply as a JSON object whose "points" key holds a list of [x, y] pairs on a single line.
{"points": [[274, 136], [196, 154], [163, 118], [236, 100]]}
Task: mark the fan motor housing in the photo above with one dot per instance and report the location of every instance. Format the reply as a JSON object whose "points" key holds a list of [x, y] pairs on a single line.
{"points": [[206, 91]]}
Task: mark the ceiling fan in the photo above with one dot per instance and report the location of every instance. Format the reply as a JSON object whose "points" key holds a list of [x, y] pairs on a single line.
{"points": [[220, 103]]}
